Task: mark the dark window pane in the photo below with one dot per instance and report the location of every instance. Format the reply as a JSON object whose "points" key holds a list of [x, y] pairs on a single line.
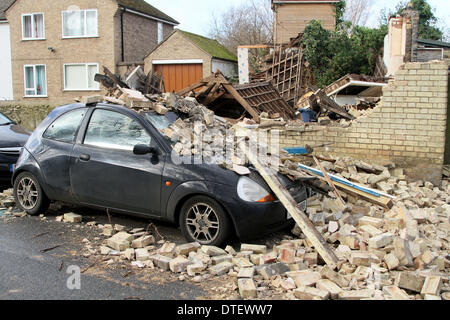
{"points": [[65, 127]]}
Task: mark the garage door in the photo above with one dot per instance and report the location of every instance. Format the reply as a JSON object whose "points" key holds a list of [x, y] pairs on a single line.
{"points": [[179, 76]]}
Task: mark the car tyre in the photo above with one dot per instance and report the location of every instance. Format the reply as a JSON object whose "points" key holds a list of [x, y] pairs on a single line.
{"points": [[29, 195], [203, 220]]}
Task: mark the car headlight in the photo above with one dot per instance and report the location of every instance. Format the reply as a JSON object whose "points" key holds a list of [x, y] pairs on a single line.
{"points": [[249, 190]]}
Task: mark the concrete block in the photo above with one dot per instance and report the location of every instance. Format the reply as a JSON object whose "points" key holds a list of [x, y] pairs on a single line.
{"points": [[143, 242], [309, 293], [370, 221], [167, 249], [356, 294], [221, 268], [179, 264], [161, 261], [241, 263], [142, 255], [410, 281], [246, 272], [247, 288], [213, 251], [268, 271], [403, 252], [222, 258], [432, 286], [391, 261], [185, 249], [305, 277], [332, 275], [194, 269], [395, 293], [381, 240], [72, 217], [329, 286], [254, 248]]}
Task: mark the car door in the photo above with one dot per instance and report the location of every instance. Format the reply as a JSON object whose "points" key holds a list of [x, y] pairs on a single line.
{"points": [[104, 170], [54, 153]]}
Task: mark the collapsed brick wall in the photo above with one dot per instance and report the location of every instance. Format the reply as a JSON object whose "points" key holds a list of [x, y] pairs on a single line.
{"points": [[407, 128]]}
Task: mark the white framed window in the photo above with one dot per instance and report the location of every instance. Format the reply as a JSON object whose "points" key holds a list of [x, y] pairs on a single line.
{"points": [[160, 32], [80, 24], [80, 77], [33, 27], [35, 80]]}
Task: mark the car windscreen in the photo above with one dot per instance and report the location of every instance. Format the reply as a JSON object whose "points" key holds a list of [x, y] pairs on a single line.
{"points": [[159, 121], [162, 122], [4, 120]]}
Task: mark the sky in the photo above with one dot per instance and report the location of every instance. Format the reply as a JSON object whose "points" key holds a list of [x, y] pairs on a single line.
{"points": [[196, 15]]}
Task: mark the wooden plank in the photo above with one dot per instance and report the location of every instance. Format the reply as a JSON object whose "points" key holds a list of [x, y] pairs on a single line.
{"points": [[382, 201], [292, 207], [350, 184], [330, 183]]}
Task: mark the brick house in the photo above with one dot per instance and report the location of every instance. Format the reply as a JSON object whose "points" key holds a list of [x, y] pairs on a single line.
{"points": [[185, 58], [292, 16], [58, 46]]}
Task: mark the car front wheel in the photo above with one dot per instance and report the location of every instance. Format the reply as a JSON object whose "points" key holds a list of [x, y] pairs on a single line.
{"points": [[29, 196], [204, 221]]}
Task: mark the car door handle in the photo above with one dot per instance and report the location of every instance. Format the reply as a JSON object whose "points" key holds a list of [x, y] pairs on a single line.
{"points": [[85, 157]]}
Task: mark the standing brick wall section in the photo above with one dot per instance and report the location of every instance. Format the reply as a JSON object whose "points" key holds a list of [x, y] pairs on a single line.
{"points": [[407, 128], [141, 36]]}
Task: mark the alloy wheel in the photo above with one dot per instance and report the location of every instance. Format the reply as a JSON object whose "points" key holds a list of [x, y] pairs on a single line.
{"points": [[202, 223], [27, 193]]}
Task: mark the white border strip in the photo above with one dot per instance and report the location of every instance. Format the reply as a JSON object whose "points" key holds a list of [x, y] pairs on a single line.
{"points": [[187, 61]]}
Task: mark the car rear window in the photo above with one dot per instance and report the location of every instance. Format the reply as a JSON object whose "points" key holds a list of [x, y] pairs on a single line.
{"points": [[65, 128]]}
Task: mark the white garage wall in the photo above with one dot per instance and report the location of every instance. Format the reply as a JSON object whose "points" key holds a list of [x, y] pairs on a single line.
{"points": [[229, 69], [6, 88]]}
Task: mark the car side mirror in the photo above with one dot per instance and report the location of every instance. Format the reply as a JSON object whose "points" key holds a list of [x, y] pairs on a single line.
{"points": [[142, 149]]}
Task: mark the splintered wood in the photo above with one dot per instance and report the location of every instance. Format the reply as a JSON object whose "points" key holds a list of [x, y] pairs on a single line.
{"points": [[292, 207]]}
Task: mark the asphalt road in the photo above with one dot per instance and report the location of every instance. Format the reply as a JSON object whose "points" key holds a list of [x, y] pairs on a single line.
{"points": [[27, 273]]}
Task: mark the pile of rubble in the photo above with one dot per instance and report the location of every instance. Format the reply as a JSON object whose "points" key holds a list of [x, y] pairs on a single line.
{"points": [[398, 254]]}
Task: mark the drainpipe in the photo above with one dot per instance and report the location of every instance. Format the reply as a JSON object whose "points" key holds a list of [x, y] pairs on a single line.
{"points": [[121, 33]]}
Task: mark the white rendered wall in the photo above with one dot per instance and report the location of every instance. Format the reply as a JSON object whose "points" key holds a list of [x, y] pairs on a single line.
{"points": [[6, 88]]}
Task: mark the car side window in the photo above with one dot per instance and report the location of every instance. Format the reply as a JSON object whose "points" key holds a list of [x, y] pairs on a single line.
{"points": [[113, 130], [65, 128]]}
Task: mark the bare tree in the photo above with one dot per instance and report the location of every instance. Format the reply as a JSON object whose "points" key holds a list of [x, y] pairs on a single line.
{"points": [[246, 24], [358, 11]]}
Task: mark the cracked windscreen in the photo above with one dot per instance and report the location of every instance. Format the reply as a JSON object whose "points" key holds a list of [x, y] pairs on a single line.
{"points": [[162, 122], [113, 130]]}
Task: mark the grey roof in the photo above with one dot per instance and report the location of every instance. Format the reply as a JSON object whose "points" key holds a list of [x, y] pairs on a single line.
{"points": [[434, 43], [144, 7], [4, 5]]}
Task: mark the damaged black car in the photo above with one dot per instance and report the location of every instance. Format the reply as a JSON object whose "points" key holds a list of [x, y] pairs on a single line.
{"points": [[110, 157]]}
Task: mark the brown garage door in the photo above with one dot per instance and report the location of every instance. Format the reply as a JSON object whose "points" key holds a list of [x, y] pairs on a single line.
{"points": [[179, 76]]}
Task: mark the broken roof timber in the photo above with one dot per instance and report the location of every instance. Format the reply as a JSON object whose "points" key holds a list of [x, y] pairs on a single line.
{"points": [[265, 98], [354, 80]]}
